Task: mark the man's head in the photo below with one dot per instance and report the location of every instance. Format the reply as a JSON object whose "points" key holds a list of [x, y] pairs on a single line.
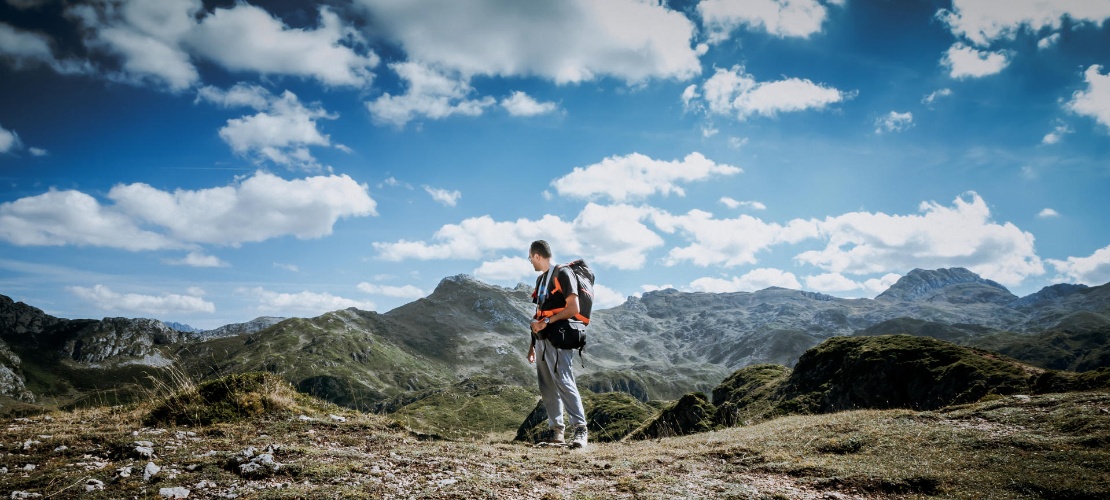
{"points": [[539, 254]]}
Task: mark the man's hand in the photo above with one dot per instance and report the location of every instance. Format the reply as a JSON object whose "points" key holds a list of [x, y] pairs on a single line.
{"points": [[538, 325], [532, 354]]}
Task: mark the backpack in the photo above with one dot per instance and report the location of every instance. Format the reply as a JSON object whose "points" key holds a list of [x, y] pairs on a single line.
{"points": [[566, 337]]}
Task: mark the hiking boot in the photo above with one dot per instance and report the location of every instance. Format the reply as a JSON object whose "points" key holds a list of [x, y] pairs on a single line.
{"points": [[552, 437], [579, 439]]}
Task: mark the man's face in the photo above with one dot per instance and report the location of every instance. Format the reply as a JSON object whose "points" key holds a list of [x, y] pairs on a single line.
{"points": [[534, 258]]}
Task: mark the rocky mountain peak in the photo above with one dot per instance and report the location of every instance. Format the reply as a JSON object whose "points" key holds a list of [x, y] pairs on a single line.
{"points": [[951, 284]]}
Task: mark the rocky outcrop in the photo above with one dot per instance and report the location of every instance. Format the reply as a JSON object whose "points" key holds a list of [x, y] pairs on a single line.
{"points": [[955, 285], [122, 340], [255, 325], [11, 379]]}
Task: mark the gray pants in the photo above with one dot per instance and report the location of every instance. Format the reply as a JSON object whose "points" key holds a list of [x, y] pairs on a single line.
{"points": [[558, 389]]}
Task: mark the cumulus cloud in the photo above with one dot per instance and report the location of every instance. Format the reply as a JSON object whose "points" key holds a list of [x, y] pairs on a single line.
{"points": [[1092, 270], [1048, 213], [963, 235], [505, 269], [931, 99], [304, 303], [106, 299], [431, 94], [783, 18], [731, 203], [1056, 135], [142, 217], [522, 104], [728, 242], [567, 42], [197, 259], [616, 235], [984, 22], [1095, 100], [735, 92], [754, 280], [400, 292], [24, 49], [281, 133], [968, 62], [635, 176], [9, 141], [57, 218], [605, 297], [447, 198], [265, 45], [162, 42], [893, 122], [831, 283]]}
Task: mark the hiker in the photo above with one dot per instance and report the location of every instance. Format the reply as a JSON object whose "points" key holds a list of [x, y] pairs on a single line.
{"points": [[556, 298]]}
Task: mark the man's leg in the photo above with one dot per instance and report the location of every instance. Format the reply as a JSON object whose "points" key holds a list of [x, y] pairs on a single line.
{"points": [[568, 388], [549, 390]]}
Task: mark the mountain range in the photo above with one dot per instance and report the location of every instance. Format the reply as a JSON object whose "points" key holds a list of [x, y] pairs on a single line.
{"points": [[659, 346]]}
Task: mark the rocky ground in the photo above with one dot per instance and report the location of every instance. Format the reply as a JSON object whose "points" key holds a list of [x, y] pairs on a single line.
{"points": [[1015, 447]]}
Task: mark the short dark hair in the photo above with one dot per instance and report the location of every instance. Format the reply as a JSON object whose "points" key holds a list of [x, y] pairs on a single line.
{"points": [[541, 248]]}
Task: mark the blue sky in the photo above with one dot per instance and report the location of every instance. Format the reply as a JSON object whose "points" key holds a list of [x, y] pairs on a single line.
{"points": [[212, 162]]}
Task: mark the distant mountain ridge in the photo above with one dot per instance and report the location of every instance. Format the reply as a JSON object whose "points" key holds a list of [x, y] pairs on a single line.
{"points": [[658, 346]]}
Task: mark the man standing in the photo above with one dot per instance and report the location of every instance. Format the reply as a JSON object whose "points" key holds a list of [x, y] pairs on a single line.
{"points": [[556, 298]]}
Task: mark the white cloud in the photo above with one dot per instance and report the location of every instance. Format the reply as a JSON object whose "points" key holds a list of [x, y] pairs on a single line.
{"points": [[567, 41], [963, 235], [505, 269], [930, 99], [893, 122], [261, 207], [301, 304], [784, 18], [24, 49], [831, 283], [447, 198], [1056, 135], [880, 285], [522, 104], [733, 91], [1092, 270], [728, 242], [754, 280], [431, 93], [288, 267], [281, 133], [605, 297], [612, 236], [104, 298], [1095, 100], [1048, 213], [197, 259], [969, 62], [161, 41], [985, 22], [1048, 41], [58, 218], [265, 45], [623, 178], [400, 292], [731, 203], [240, 95], [737, 142], [37, 151], [9, 141]]}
